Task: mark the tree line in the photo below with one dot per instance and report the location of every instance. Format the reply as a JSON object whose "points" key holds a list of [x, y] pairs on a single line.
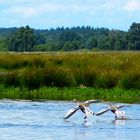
{"points": [[69, 39]]}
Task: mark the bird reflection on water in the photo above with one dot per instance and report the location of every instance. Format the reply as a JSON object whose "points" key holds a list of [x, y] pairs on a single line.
{"points": [[87, 123], [119, 122]]}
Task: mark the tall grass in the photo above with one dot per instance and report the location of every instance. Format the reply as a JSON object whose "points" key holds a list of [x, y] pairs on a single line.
{"points": [[82, 94], [98, 70]]}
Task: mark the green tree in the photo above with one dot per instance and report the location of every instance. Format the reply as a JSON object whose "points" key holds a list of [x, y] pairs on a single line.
{"points": [[40, 38], [134, 36], [22, 40], [3, 46], [104, 42], [91, 43], [69, 36]]}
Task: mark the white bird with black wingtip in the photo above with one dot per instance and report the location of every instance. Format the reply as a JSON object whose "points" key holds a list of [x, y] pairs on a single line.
{"points": [[83, 106], [115, 110]]}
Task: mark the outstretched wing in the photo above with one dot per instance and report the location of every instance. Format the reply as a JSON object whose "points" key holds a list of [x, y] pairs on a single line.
{"points": [[102, 112], [71, 112], [91, 101], [121, 106]]}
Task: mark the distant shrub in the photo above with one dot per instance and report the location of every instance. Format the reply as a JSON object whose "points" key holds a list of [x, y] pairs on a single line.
{"points": [[130, 81], [37, 62], [9, 79], [107, 79], [58, 77], [85, 77]]}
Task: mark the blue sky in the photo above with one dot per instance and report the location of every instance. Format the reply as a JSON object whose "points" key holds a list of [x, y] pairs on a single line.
{"points": [[42, 14]]}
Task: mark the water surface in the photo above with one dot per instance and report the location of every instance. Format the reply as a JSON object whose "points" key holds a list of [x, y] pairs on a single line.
{"points": [[25, 120]]}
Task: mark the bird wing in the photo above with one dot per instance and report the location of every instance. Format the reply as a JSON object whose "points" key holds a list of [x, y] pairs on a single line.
{"points": [[71, 112], [121, 106], [91, 101], [102, 112]]}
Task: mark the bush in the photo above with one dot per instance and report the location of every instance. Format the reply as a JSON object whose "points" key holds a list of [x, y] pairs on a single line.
{"points": [[59, 77], [130, 81], [100, 69], [9, 79]]}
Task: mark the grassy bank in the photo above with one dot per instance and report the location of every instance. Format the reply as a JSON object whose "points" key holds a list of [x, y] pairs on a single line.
{"points": [[113, 76], [98, 70], [45, 93]]}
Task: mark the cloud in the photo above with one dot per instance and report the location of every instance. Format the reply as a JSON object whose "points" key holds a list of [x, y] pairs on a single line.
{"points": [[132, 6], [32, 11], [16, 1], [28, 11], [107, 13]]}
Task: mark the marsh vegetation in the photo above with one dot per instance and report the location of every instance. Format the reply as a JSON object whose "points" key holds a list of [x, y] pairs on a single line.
{"points": [[83, 75]]}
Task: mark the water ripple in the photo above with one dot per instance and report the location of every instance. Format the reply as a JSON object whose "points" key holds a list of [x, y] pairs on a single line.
{"points": [[44, 120]]}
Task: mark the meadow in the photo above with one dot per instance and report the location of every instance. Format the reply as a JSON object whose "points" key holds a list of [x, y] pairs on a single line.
{"points": [[111, 76]]}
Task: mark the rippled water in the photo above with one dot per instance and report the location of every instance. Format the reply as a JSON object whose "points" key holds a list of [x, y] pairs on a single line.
{"points": [[22, 120]]}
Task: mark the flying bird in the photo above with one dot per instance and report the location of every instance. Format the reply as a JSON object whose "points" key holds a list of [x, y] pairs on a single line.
{"points": [[83, 106], [115, 109]]}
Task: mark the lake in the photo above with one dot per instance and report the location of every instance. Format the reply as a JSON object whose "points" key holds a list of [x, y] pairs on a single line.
{"points": [[26, 120]]}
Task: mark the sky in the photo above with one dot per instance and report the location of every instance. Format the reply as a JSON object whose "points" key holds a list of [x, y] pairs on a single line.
{"points": [[46, 14]]}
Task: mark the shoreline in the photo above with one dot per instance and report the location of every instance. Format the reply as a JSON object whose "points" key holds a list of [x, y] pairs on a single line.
{"points": [[68, 94]]}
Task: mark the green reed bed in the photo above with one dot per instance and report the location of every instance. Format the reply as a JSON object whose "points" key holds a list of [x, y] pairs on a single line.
{"points": [[101, 73], [45, 93], [99, 70]]}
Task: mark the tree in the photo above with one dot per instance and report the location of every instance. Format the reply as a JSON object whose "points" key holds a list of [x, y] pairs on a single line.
{"points": [[104, 42], [40, 38], [121, 44], [69, 36], [3, 46], [134, 36], [91, 43], [71, 46], [22, 40]]}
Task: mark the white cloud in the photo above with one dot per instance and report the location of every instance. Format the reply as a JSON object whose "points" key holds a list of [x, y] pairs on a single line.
{"points": [[132, 6], [16, 1], [108, 5], [26, 12], [36, 10], [31, 11], [69, 12]]}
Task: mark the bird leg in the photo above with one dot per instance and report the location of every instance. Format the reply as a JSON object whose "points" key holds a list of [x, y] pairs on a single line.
{"points": [[85, 117]]}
